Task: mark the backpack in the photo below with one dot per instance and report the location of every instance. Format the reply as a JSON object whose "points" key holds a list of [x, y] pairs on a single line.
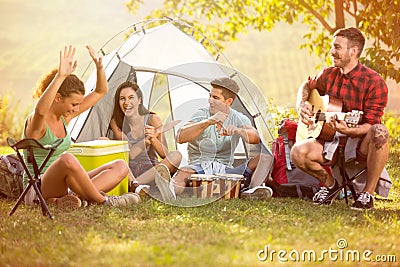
{"points": [[11, 172], [287, 180]]}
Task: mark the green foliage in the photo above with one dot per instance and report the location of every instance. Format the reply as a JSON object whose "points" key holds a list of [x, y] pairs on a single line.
{"points": [[224, 20], [133, 5], [279, 113], [6, 150], [380, 20], [392, 123], [11, 119]]}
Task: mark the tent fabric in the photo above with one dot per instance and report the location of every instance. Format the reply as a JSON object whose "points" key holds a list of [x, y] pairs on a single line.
{"points": [[174, 71]]}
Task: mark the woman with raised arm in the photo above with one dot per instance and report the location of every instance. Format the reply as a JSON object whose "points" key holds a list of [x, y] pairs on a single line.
{"points": [[62, 97]]}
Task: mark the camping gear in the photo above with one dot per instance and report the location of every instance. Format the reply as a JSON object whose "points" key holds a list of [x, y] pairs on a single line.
{"points": [[173, 64], [32, 191], [95, 153], [11, 172], [287, 180]]}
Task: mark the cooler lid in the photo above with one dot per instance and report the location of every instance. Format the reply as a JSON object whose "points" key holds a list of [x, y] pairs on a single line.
{"points": [[99, 143], [98, 148]]}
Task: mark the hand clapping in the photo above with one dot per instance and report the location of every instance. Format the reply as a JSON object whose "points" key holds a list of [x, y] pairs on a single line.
{"points": [[219, 117], [150, 133], [229, 130]]}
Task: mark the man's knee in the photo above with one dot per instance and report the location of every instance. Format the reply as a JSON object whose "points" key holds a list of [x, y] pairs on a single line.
{"points": [[379, 135], [181, 177], [298, 154], [262, 159], [175, 158]]}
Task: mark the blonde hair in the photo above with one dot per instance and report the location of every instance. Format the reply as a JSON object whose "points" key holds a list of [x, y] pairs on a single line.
{"points": [[72, 84]]}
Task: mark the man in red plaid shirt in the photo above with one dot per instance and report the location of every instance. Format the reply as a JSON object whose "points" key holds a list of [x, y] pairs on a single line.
{"points": [[359, 88]]}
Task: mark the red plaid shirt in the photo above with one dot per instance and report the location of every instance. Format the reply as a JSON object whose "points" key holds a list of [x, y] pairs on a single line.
{"points": [[361, 89]]}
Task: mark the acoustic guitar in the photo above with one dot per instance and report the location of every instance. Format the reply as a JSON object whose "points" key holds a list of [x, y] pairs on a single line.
{"points": [[325, 107]]}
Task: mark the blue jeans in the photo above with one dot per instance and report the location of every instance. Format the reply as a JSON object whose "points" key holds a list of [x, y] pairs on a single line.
{"points": [[241, 169]]}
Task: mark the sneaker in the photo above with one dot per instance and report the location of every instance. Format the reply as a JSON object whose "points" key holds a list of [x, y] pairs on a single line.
{"points": [[124, 200], [365, 201], [66, 202], [325, 195], [260, 192], [163, 182]]}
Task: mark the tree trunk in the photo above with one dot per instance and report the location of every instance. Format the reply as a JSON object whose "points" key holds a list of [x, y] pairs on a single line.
{"points": [[339, 15]]}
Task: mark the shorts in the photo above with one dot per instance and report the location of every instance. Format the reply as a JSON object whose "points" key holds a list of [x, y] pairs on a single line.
{"points": [[359, 156], [241, 169]]}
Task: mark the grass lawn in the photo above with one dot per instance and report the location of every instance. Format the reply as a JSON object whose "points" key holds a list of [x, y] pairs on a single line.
{"points": [[223, 233]]}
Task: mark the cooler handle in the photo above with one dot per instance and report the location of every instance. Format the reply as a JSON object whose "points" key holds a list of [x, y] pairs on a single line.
{"points": [[75, 150]]}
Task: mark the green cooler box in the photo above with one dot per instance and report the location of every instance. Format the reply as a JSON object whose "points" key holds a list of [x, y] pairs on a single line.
{"points": [[93, 154]]}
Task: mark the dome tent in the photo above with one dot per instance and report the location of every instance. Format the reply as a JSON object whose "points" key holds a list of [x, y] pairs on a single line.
{"points": [[172, 65]]}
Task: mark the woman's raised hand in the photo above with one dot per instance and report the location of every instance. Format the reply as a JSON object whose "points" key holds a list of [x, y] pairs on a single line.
{"points": [[67, 62], [96, 57]]}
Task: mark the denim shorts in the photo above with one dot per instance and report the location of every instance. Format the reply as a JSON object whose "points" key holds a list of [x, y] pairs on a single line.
{"points": [[241, 169]]}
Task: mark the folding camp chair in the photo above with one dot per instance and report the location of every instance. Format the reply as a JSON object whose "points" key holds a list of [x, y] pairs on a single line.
{"points": [[347, 182], [33, 179]]}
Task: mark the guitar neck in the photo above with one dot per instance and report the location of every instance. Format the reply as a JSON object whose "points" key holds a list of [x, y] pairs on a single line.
{"points": [[322, 116], [325, 107]]}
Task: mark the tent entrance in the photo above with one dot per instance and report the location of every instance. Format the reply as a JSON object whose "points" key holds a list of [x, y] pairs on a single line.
{"points": [[173, 64]]}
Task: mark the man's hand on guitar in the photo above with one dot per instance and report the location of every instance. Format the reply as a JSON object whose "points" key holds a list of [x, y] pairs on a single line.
{"points": [[306, 113], [314, 115], [338, 125]]}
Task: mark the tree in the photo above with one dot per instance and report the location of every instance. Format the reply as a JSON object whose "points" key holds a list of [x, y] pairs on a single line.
{"points": [[222, 21], [9, 118]]}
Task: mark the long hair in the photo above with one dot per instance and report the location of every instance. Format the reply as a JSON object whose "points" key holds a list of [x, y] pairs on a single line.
{"points": [[71, 84], [118, 114]]}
